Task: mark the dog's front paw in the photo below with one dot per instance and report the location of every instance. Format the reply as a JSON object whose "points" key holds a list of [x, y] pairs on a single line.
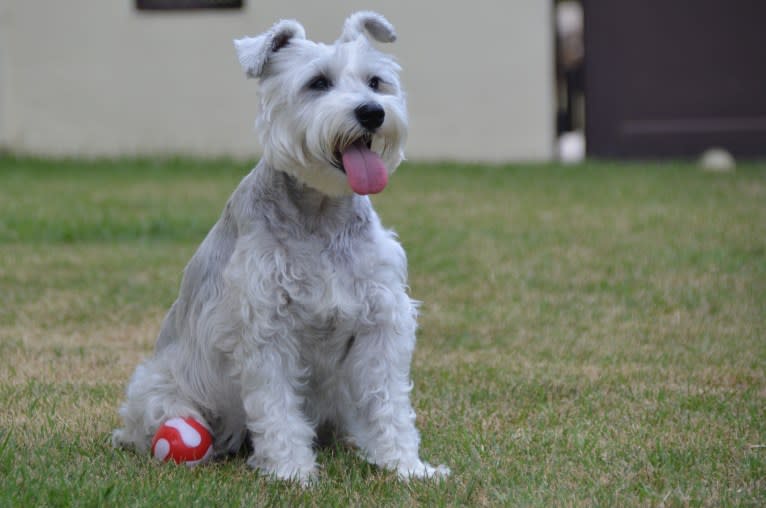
{"points": [[422, 470], [305, 473]]}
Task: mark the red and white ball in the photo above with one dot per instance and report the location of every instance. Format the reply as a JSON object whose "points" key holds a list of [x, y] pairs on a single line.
{"points": [[182, 440]]}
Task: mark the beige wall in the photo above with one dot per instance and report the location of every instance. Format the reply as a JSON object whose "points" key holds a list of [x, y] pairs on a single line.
{"points": [[95, 77]]}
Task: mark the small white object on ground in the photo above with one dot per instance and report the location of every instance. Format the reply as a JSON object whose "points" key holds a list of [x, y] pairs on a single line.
{"points": [[571, 147], [717, 160]]}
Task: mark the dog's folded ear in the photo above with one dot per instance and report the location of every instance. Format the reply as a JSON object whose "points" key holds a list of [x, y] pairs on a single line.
{"points": [[254, 52], [375, 24]]}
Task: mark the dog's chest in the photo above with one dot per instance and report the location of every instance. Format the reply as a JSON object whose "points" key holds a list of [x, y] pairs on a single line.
{"points": [[324, 292], [333, 292]]}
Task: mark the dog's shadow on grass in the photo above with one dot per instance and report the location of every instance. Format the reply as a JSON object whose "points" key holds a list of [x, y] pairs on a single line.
{"points": [[338, 459]]}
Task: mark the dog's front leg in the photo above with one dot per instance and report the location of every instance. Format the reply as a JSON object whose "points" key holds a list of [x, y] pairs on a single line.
{"points": [[281, 435], [380, 417]]}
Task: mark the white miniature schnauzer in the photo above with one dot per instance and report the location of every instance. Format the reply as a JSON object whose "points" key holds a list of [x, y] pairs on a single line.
{"points": [[294, 310]]}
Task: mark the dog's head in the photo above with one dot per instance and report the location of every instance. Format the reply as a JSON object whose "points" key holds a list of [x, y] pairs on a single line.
{"points": [[333, 116]]}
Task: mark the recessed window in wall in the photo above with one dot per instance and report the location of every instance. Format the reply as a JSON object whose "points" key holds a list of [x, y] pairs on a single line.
{"points": [[171, 5]]}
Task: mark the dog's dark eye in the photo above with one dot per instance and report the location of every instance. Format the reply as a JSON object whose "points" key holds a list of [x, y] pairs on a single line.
{"points": [[374, 82], [320, 83]]}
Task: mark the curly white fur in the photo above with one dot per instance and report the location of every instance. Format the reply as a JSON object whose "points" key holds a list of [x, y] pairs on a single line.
{"points": [[294, 310]]}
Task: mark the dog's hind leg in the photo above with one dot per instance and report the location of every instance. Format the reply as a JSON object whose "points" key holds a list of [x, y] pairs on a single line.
{"points": [[153, 397]]}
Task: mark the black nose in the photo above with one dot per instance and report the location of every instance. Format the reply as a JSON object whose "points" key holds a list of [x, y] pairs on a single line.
{"points": [[370, 115]]}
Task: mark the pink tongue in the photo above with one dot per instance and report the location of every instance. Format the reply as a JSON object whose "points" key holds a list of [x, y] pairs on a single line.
{"points": [[365, 170]]}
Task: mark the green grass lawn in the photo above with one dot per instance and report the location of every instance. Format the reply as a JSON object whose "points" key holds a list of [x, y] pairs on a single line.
{"points": [[590, 336]]}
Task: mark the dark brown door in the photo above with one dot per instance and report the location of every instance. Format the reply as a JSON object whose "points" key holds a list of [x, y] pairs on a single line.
{"points": [[671, 78]]}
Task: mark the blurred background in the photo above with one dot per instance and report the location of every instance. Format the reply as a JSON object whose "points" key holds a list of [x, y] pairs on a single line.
{"points": [[488, 81]]}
